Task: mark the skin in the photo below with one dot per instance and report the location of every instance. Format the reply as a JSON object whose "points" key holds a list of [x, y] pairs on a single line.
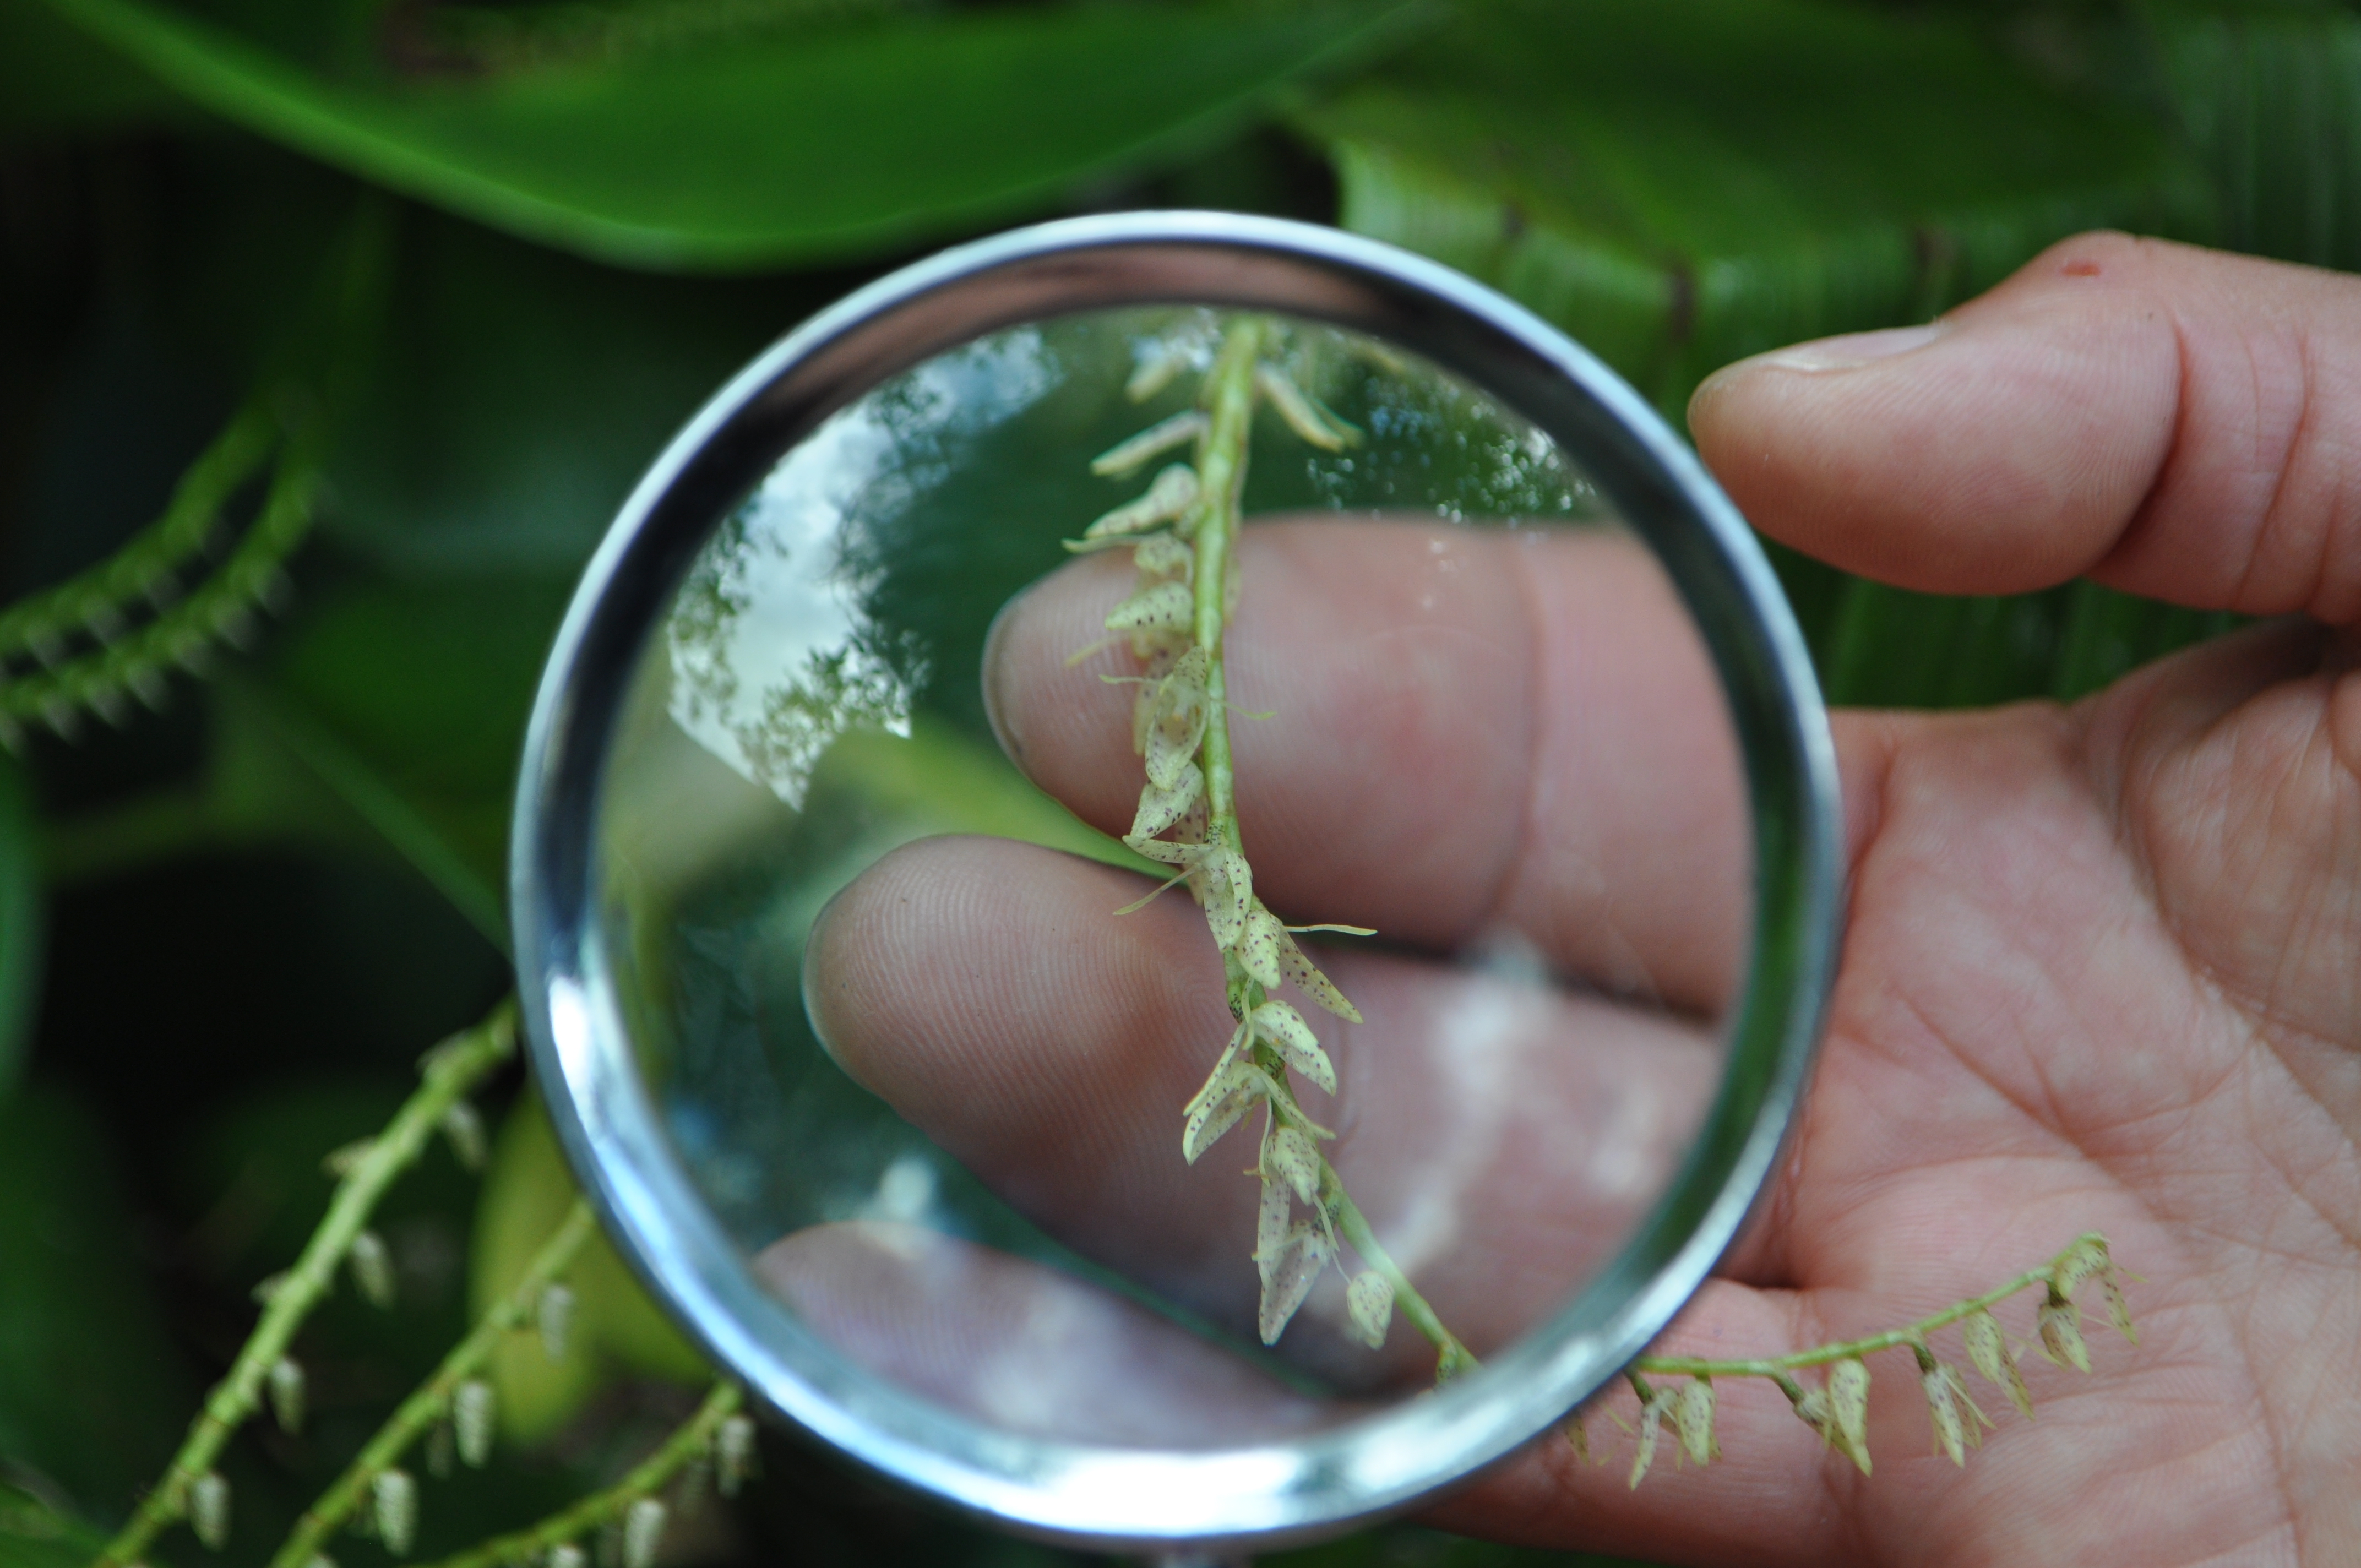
{"points": [[2100, 971]]}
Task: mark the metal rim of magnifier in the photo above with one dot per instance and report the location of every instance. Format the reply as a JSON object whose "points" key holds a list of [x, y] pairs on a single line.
{"points": [[582, 1049]]}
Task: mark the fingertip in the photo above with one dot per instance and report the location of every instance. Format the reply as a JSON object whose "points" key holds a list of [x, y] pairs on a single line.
{"points": [[2000, 449]]}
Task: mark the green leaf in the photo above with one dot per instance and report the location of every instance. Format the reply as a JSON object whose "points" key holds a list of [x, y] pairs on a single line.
{"points": [[21, 922], [1681, 185], [410, 703], [91, 1399], [36, 1533], [2270, 97], [55, 79], [781, 147]]}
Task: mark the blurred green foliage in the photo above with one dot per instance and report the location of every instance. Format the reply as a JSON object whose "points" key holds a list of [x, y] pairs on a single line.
{"points": [[263, 900]]}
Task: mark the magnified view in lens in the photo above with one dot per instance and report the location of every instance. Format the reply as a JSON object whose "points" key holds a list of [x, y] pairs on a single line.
{"points": [[1177, 878]]}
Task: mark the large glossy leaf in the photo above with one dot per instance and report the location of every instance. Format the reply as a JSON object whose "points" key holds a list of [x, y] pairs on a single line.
{"points": [[20, 923], [1679, 185], [2270, 97], [55, 79], [777, 147], [91, 1398]]}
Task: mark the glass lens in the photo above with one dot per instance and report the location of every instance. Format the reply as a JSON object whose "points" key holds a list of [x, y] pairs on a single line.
{"points": [[1451, 830]]}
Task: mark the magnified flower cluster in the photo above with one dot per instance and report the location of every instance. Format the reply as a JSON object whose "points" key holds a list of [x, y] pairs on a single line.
{"points": [[1182, 532]]}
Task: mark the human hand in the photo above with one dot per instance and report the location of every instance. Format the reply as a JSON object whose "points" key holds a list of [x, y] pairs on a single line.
{"points": [[2099, 972]]}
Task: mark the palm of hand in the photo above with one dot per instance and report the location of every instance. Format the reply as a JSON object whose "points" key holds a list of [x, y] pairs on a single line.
{"points": [[2099, 974]]}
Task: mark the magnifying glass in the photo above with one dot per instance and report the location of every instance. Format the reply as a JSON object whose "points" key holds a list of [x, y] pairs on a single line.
{"points": [[1175, 876]]}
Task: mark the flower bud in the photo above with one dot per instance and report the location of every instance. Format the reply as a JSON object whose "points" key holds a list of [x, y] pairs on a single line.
{"points": [[464, 1126], [1227, 886], [1693, 1419], [1293, 1160], [372, 1268], [643, 1528], [1219, 1106], [2086, 1257], [553, 1316], [1988, 1349], [1273, 1218], [287, 1394], [1258, 952], [1292, 1276], [209, 1509], [1158, 557], [1152, 442], [2061, 1335], [1308, 978], [1643, 1453], [472, 1406], [1166, 608], [1310, 422], [1159, 808], [1936, 1383], [1173, 492], [343, 1160], [441, 1449], [2119, 1311], [394, 1499], [1369, 1302], [1849, 1409], [1283, 1026], [734, 1455], [565, 1554]]}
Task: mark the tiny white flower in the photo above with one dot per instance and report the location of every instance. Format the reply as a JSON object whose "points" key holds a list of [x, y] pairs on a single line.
{"points": [[1273, 1225], [1173, 492], [209, 1509], [1290, 1158], [1149, 443], [1693, 1419], [1306, 977], [1306, 418], [1226, 884], [553, 1316], [464, 1126], [1160, 808], [1369, 1303], [472, 1408], [644, 1528], [394, 1498], [1259, 949], [1988, 1351], [2061, 1335], [1306, 1252], [734, 1455], [1283, 1026], [372, 1268], [287, 1393]]}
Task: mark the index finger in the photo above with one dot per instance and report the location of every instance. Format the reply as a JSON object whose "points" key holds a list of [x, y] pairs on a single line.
{"points": [[1474, 733]]}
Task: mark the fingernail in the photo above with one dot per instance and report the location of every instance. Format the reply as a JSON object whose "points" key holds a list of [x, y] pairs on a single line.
{"points": [[992, 638], [1853, 349]]}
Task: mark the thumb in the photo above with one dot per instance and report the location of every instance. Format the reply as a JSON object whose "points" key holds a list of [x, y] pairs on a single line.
{"points": [[2170, 420]]}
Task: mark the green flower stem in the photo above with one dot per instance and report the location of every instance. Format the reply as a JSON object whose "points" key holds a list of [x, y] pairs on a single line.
{"points": [[1221, 478], [1912, 1334], [143, 564], [692, 1441], [1222, 451], [1452, 1357], [432, 1401], [451, 1070]]}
